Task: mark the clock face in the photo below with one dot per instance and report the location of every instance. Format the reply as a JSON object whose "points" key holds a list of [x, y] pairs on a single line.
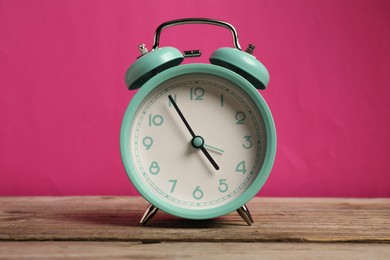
{"points": [[167, 166]]}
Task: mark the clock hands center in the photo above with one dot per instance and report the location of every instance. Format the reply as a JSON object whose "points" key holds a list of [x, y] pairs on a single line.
{"points": [[197, 141]]}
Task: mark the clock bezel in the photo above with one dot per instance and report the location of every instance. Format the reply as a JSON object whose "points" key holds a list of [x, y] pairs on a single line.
{"points": [[211, 70]]}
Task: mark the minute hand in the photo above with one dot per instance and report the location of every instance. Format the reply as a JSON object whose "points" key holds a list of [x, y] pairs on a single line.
{"points": [[201, 144]]}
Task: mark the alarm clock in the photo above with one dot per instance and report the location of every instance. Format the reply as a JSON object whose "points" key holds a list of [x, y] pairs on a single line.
{"points": [[197, 140]]}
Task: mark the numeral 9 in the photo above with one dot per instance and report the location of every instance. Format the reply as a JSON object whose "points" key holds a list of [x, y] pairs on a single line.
{"points": [[147, 142]]}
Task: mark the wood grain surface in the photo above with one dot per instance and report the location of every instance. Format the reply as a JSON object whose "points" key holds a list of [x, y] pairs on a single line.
{"points": [[53, 226], [192, 250]]}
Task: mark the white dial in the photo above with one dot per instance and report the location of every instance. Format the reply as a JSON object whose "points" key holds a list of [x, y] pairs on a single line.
{"points": [[169, 160]]}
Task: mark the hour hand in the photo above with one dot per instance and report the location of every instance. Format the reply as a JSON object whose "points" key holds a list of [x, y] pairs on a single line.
{"points": [[213, 148]]}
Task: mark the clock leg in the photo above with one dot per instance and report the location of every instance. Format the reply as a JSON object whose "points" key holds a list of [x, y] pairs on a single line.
{"points": [[149, 213], [245, 214]]}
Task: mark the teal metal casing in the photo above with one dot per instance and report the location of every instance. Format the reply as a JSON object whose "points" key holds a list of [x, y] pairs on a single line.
{"points": [[151, 82], [243, 64], [151, 63]]}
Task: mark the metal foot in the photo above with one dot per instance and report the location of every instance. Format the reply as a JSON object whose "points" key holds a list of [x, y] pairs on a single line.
{"points": [[148, 215], [246, 215]]}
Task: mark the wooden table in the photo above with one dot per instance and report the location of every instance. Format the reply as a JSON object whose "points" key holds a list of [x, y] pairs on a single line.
{"points": [[108, 228]]}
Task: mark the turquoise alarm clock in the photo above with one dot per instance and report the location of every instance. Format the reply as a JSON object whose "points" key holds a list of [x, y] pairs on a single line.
{"points": [[197, 141]]}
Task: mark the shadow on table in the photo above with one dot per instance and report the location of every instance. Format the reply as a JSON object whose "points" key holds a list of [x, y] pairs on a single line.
{"points": [[160, 220]]}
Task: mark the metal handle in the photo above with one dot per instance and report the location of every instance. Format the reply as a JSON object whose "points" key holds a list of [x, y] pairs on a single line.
{"points": [[196, 21]]}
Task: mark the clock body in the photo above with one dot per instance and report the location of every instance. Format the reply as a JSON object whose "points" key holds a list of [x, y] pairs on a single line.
{"points": [[234, 124]]}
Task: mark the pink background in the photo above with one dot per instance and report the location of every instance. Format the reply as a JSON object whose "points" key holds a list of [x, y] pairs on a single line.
{"points": [[62, 91]]}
